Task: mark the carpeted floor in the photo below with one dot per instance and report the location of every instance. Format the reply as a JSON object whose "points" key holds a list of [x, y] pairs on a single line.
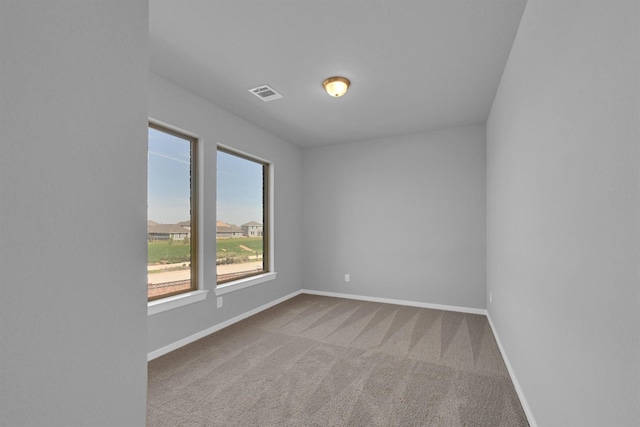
{"points": [[321, 361]]}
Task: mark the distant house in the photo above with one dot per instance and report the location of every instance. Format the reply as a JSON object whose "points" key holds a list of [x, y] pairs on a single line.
{"points": [[252, 229], [167, 232], [185, 224], [224, 230]]}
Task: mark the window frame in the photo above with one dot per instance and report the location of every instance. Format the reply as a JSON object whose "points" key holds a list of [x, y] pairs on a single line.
{"points": [[268, 272], [194, 205]]}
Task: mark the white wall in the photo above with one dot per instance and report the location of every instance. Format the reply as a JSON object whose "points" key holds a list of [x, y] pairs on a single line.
{"points": [[173, 105], [563, 216], [73, 103], [404, 216]]}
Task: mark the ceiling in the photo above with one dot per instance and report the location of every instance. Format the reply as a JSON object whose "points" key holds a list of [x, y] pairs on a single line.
{"points": [[414, 65]]}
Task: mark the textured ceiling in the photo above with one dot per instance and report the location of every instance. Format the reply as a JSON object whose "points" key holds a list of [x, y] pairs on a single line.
{"points": [[414, 66]]}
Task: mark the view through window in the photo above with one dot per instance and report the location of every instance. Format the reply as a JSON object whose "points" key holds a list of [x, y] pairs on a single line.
{"points": [[241, 210], [171, 228]]}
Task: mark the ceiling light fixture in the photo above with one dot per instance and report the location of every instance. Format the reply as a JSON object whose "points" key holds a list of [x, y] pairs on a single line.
{"points": [[336, 86]]}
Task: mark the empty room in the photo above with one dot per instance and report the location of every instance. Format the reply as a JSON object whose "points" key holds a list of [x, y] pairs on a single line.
{"points": [[346, 213]]}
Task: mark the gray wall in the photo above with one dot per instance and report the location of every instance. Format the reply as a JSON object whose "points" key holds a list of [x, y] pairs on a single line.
{"points": [[562, 182], [178, 107], [405, 217], [72, 212]]}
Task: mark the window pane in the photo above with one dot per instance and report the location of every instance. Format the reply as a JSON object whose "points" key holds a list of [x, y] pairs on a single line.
{"points": [[241, 235], [169, 225]]}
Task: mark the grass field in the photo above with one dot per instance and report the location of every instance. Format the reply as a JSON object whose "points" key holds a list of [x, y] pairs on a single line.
{"points": [[237, 248], [165, 253]]}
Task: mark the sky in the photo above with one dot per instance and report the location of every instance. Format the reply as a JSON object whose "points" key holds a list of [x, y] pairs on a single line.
{"points": [[239, 190], [239, 183]]}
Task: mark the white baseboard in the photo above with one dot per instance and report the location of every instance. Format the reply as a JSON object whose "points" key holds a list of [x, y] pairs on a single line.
{"points": [[399, 302], [188, 340], [514, 380]]}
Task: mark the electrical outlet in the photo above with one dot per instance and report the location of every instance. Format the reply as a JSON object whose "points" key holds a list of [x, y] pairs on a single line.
{"points": [[219, 302], [347, 277]]}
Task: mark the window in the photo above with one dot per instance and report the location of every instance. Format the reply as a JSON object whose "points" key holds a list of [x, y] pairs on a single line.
{"points": [[242, 231], [171, 219]]}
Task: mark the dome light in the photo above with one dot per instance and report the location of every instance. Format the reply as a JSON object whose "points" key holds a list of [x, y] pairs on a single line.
{"points": [[336, 86]]}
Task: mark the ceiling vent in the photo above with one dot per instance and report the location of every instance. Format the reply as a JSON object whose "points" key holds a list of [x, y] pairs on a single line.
{"points": [[265, 92]]}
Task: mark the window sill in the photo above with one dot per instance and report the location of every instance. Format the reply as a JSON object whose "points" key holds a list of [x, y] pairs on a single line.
{"points": [[236, 285], [164, 304]]}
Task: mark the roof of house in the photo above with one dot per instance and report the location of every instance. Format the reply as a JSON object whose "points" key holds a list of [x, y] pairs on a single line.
{"points": [[251, 224], [229, 228], [167, 229]]}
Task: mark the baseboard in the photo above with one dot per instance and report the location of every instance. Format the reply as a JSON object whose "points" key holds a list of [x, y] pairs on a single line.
{"points": [[470, 310], [188, 340], [514, 380]]}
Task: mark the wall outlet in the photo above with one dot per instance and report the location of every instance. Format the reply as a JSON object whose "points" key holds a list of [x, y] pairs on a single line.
{"points": [[347, 277], [219, 302]]}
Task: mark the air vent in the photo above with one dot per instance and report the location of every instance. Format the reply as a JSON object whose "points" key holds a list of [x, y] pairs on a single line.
{"points": [[265, 92]]}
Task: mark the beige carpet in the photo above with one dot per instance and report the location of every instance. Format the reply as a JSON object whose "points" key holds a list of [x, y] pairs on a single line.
{"points": [[321, 361]]}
